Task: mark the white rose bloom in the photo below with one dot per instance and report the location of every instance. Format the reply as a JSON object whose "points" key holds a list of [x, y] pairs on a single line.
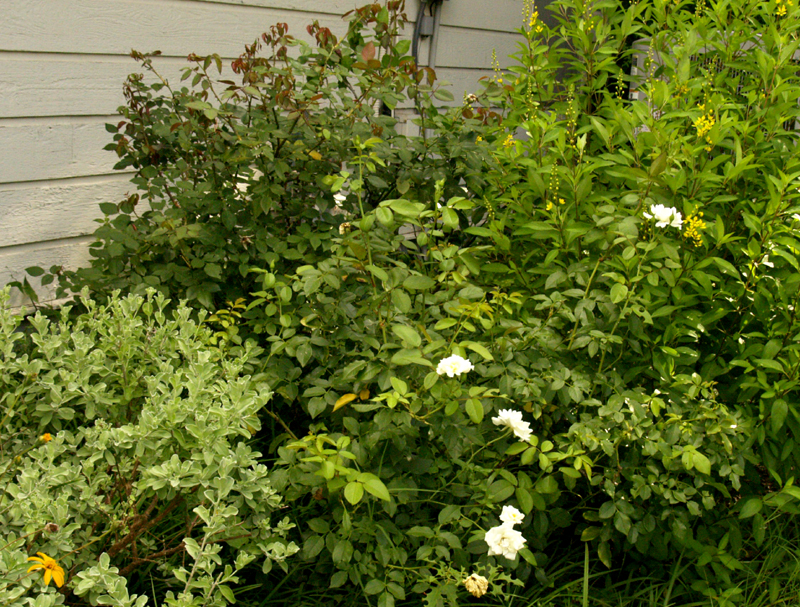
{"points": [[513, 420], [665, 216], [504, 540], [453, 365], [511, 515]]}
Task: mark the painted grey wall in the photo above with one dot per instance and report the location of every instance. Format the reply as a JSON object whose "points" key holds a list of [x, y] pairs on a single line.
{"points": [[62, 64]]}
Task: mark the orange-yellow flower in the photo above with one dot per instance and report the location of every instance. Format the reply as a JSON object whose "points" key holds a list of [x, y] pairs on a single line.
{"points": [[51, 568], [46, 437]]}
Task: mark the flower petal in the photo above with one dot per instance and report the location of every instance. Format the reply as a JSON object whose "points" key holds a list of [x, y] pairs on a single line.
{"points": [[58, 576]]}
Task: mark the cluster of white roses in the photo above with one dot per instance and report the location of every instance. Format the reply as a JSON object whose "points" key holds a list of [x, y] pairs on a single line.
{"points": [[504, 539], [456, 365]]}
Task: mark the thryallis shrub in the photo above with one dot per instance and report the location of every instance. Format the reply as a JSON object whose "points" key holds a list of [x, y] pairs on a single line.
{"points": [[655, 240], [126, 445]]}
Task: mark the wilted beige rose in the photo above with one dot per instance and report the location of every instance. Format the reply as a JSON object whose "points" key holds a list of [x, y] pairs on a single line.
{"points": [[476, 585]]}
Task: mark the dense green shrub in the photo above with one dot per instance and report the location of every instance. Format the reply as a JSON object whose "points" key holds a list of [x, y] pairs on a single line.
{"points": [[652, 248], [659, 248], [125, 444]]}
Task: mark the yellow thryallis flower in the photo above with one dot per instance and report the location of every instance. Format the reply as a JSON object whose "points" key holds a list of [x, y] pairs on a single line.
{"points": [[554, 180], [531, 15], [50, 567], [560, 201], [692, 227], [479, 138], [509, 141], [496, 67], [534, 24], [704, 124], [549, 206]]}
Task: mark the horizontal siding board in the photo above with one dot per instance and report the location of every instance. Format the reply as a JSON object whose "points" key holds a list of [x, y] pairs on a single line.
{"points": [[457, 50], [325, 7], [54, 150], [73, 85], [503, 16], [71, 254], [53, 212], [175, 27], [497, 15], [77, 86]]}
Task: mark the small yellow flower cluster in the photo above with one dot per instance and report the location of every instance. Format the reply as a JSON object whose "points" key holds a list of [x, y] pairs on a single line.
{"points": [[534, 24], [489, 210], [46, 437], [531, 15], [478, 139], [554, 181], [549, 206], [509, 141], [572, 115], [704, 124], [782, 6], [620, 87], [498, 75], [692, 228]]}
